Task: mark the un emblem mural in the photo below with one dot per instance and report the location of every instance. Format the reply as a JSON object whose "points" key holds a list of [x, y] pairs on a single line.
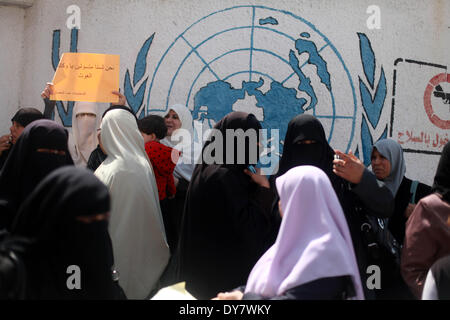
{"points": [[270, 62]]}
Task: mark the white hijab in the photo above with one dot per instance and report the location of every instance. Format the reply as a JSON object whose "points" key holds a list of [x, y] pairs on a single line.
{"points": [[190, 150], [136, 227], [83, 139], [313, 242]]}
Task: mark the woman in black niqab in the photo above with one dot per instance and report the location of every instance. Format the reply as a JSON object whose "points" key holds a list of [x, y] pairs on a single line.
{"points": [[306, 144], [67, 218], [41, 148], [226, 220]]}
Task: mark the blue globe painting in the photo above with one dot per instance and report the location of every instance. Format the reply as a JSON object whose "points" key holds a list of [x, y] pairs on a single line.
{"points": [[270, 62]]}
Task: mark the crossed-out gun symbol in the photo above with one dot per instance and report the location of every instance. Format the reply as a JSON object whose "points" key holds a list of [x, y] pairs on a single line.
{"points": [[439, 93]]}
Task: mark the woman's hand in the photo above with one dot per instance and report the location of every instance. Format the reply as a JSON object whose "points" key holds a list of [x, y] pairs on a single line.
{"points": [[5, 142], [48, 90], [122, 99], [348, 167], [234, 295], [258, 178]]}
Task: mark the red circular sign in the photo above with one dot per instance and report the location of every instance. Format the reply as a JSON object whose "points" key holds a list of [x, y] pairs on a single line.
{"points": [[442, 77]]}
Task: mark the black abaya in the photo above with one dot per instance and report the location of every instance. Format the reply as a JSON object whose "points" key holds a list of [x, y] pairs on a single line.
{"points": [[226, 222]]}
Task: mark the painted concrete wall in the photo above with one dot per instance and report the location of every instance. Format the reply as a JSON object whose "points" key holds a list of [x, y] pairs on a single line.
{"points": [[274, 58], [12, 22]]}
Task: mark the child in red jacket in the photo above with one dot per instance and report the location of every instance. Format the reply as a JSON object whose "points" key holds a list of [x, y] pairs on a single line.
{"points": [[153, 129], [163, 159]]}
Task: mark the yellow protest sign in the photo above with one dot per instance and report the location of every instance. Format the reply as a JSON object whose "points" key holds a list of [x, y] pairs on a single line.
{"points": [[86, 77]]}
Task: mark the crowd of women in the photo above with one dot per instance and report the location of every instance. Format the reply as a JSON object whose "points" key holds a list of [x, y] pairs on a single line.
{"points": [[311, 230]]}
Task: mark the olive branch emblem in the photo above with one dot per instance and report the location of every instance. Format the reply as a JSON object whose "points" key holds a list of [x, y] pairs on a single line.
{"points": [[372, 99], [140, 67]]}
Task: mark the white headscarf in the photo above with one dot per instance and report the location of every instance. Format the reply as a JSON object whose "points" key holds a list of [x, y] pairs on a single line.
{"points": [[83, 139], [393, 152], [313, 242], [136, 226], [190, 150]]}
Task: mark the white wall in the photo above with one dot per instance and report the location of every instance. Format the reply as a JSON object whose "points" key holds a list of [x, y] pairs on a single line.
{"points": [[410, 29], [12, 21]]}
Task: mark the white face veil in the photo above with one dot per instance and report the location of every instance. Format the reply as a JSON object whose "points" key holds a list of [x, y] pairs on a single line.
{"points": [[84, 139]]}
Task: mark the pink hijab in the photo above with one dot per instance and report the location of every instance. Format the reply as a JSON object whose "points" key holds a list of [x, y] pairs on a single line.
{"points": [[313, 241]]}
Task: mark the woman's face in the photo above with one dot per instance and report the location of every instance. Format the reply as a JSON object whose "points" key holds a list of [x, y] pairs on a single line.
{"points": [[380, 165], [16, 130], [93, 218], [306, 142], [172, 122], [86, 114]]}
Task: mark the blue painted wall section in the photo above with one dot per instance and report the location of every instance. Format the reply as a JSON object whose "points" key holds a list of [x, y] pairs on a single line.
{"points": [[368, 58], [65, 114], [140, 67], [268, 20], [366, 140], [373, 107], [371, 103], [314, 58], [279, 103]]}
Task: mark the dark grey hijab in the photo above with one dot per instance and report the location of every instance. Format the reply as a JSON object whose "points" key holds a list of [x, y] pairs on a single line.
{"points": [[392, 151]]}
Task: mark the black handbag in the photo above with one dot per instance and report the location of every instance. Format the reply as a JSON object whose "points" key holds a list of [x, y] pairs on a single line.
{"points": [[13, 275], [383, 249]]}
